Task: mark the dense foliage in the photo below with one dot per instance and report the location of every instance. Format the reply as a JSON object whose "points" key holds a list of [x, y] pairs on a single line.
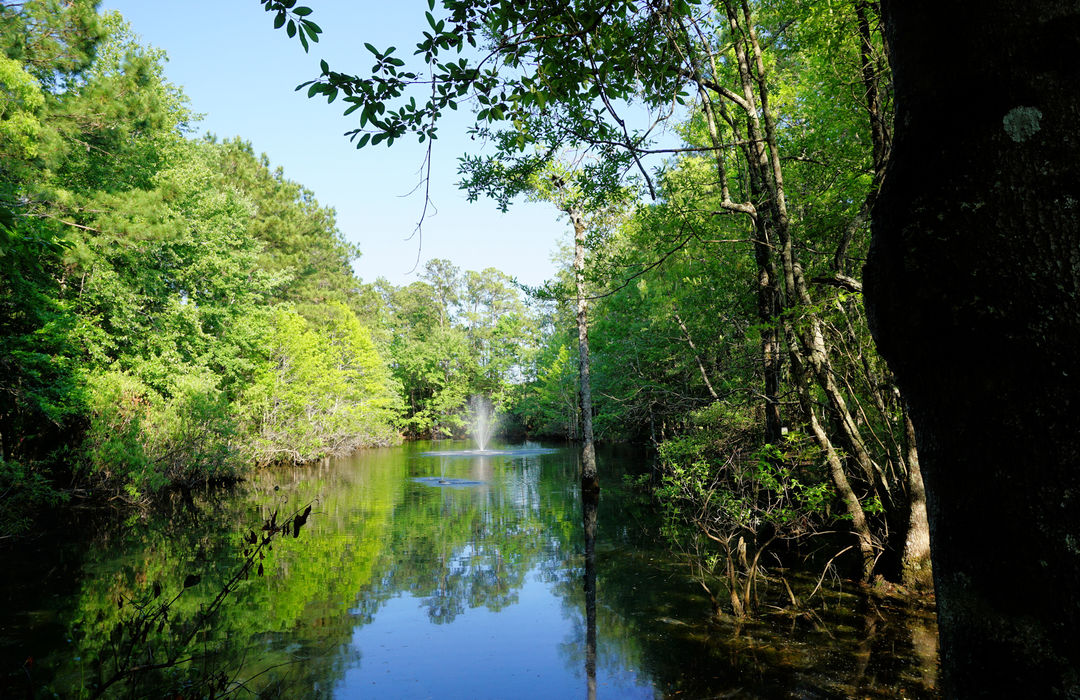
{"points": [[171, 309], [177, 311], [174, 310], [456, 335]]}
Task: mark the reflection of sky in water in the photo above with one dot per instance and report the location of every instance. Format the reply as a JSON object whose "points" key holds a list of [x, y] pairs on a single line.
{"points": [[485, 628], [397, 588], [513, 653]]}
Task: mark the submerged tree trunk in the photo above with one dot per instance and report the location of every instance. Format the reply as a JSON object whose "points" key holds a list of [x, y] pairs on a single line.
{"points": [[973, 294], [589, 479]]}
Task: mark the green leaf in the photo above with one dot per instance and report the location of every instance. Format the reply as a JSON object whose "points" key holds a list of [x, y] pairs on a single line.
{"points": [[290, 29], [279, 20], [302, 11]]}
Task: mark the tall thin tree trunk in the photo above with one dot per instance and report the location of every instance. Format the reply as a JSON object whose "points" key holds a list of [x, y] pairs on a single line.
{"points": [[770, 297], [852, 505], [916, 571], [806, 346], [589, 479], [697, 355], [768, 284]]}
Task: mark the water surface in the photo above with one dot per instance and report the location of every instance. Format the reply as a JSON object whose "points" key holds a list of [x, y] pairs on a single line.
{"points": [[403, 587]]}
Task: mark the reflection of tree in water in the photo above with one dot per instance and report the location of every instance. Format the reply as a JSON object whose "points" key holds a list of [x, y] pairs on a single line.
{"points": [[375, 533], [653, 624], [294, 620], [467, 547]]}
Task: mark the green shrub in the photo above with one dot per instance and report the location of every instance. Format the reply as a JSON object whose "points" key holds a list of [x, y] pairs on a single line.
{"points": [[320, 392], [140, 441]]}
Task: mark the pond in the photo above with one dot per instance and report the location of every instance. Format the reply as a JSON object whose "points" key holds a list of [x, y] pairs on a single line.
{"points": [[403, 586]]}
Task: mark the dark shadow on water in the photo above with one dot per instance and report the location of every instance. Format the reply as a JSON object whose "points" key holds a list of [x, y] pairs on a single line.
{"points": [[446, 481], [590, 501]]}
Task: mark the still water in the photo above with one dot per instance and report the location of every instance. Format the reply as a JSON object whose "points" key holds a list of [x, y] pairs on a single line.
{"points": [[401, 586]]}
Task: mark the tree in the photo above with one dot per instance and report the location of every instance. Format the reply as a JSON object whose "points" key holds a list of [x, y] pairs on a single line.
{"points": [[140, 273], [565, 188], [973, 288], [454, 335], [547, 77], [301, 241], [322, 391]]}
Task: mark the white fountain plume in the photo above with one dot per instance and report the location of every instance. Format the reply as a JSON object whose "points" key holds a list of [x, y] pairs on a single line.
{"points": [[482, 422]]}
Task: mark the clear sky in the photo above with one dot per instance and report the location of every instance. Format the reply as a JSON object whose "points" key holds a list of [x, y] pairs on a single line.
{"points": [[240, 73]]}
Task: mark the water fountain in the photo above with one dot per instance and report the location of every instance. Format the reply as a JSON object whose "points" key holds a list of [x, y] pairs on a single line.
{"points": [[482, 423]]}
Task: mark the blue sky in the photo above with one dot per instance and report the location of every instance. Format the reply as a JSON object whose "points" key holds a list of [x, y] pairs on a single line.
{"points": [[240, 74]]}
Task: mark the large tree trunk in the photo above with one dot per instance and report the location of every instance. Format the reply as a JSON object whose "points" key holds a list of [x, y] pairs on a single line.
{"points": [[973, 293]]}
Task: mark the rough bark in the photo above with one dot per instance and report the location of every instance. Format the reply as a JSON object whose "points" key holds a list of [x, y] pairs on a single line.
{"points": [[589, 479], [973, 294]]}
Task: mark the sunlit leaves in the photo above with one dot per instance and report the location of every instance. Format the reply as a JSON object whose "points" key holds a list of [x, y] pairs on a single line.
{"points": [[320, 392]]}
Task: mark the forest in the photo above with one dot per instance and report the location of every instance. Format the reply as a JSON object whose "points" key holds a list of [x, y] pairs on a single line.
{"points": [[790, 280]]}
